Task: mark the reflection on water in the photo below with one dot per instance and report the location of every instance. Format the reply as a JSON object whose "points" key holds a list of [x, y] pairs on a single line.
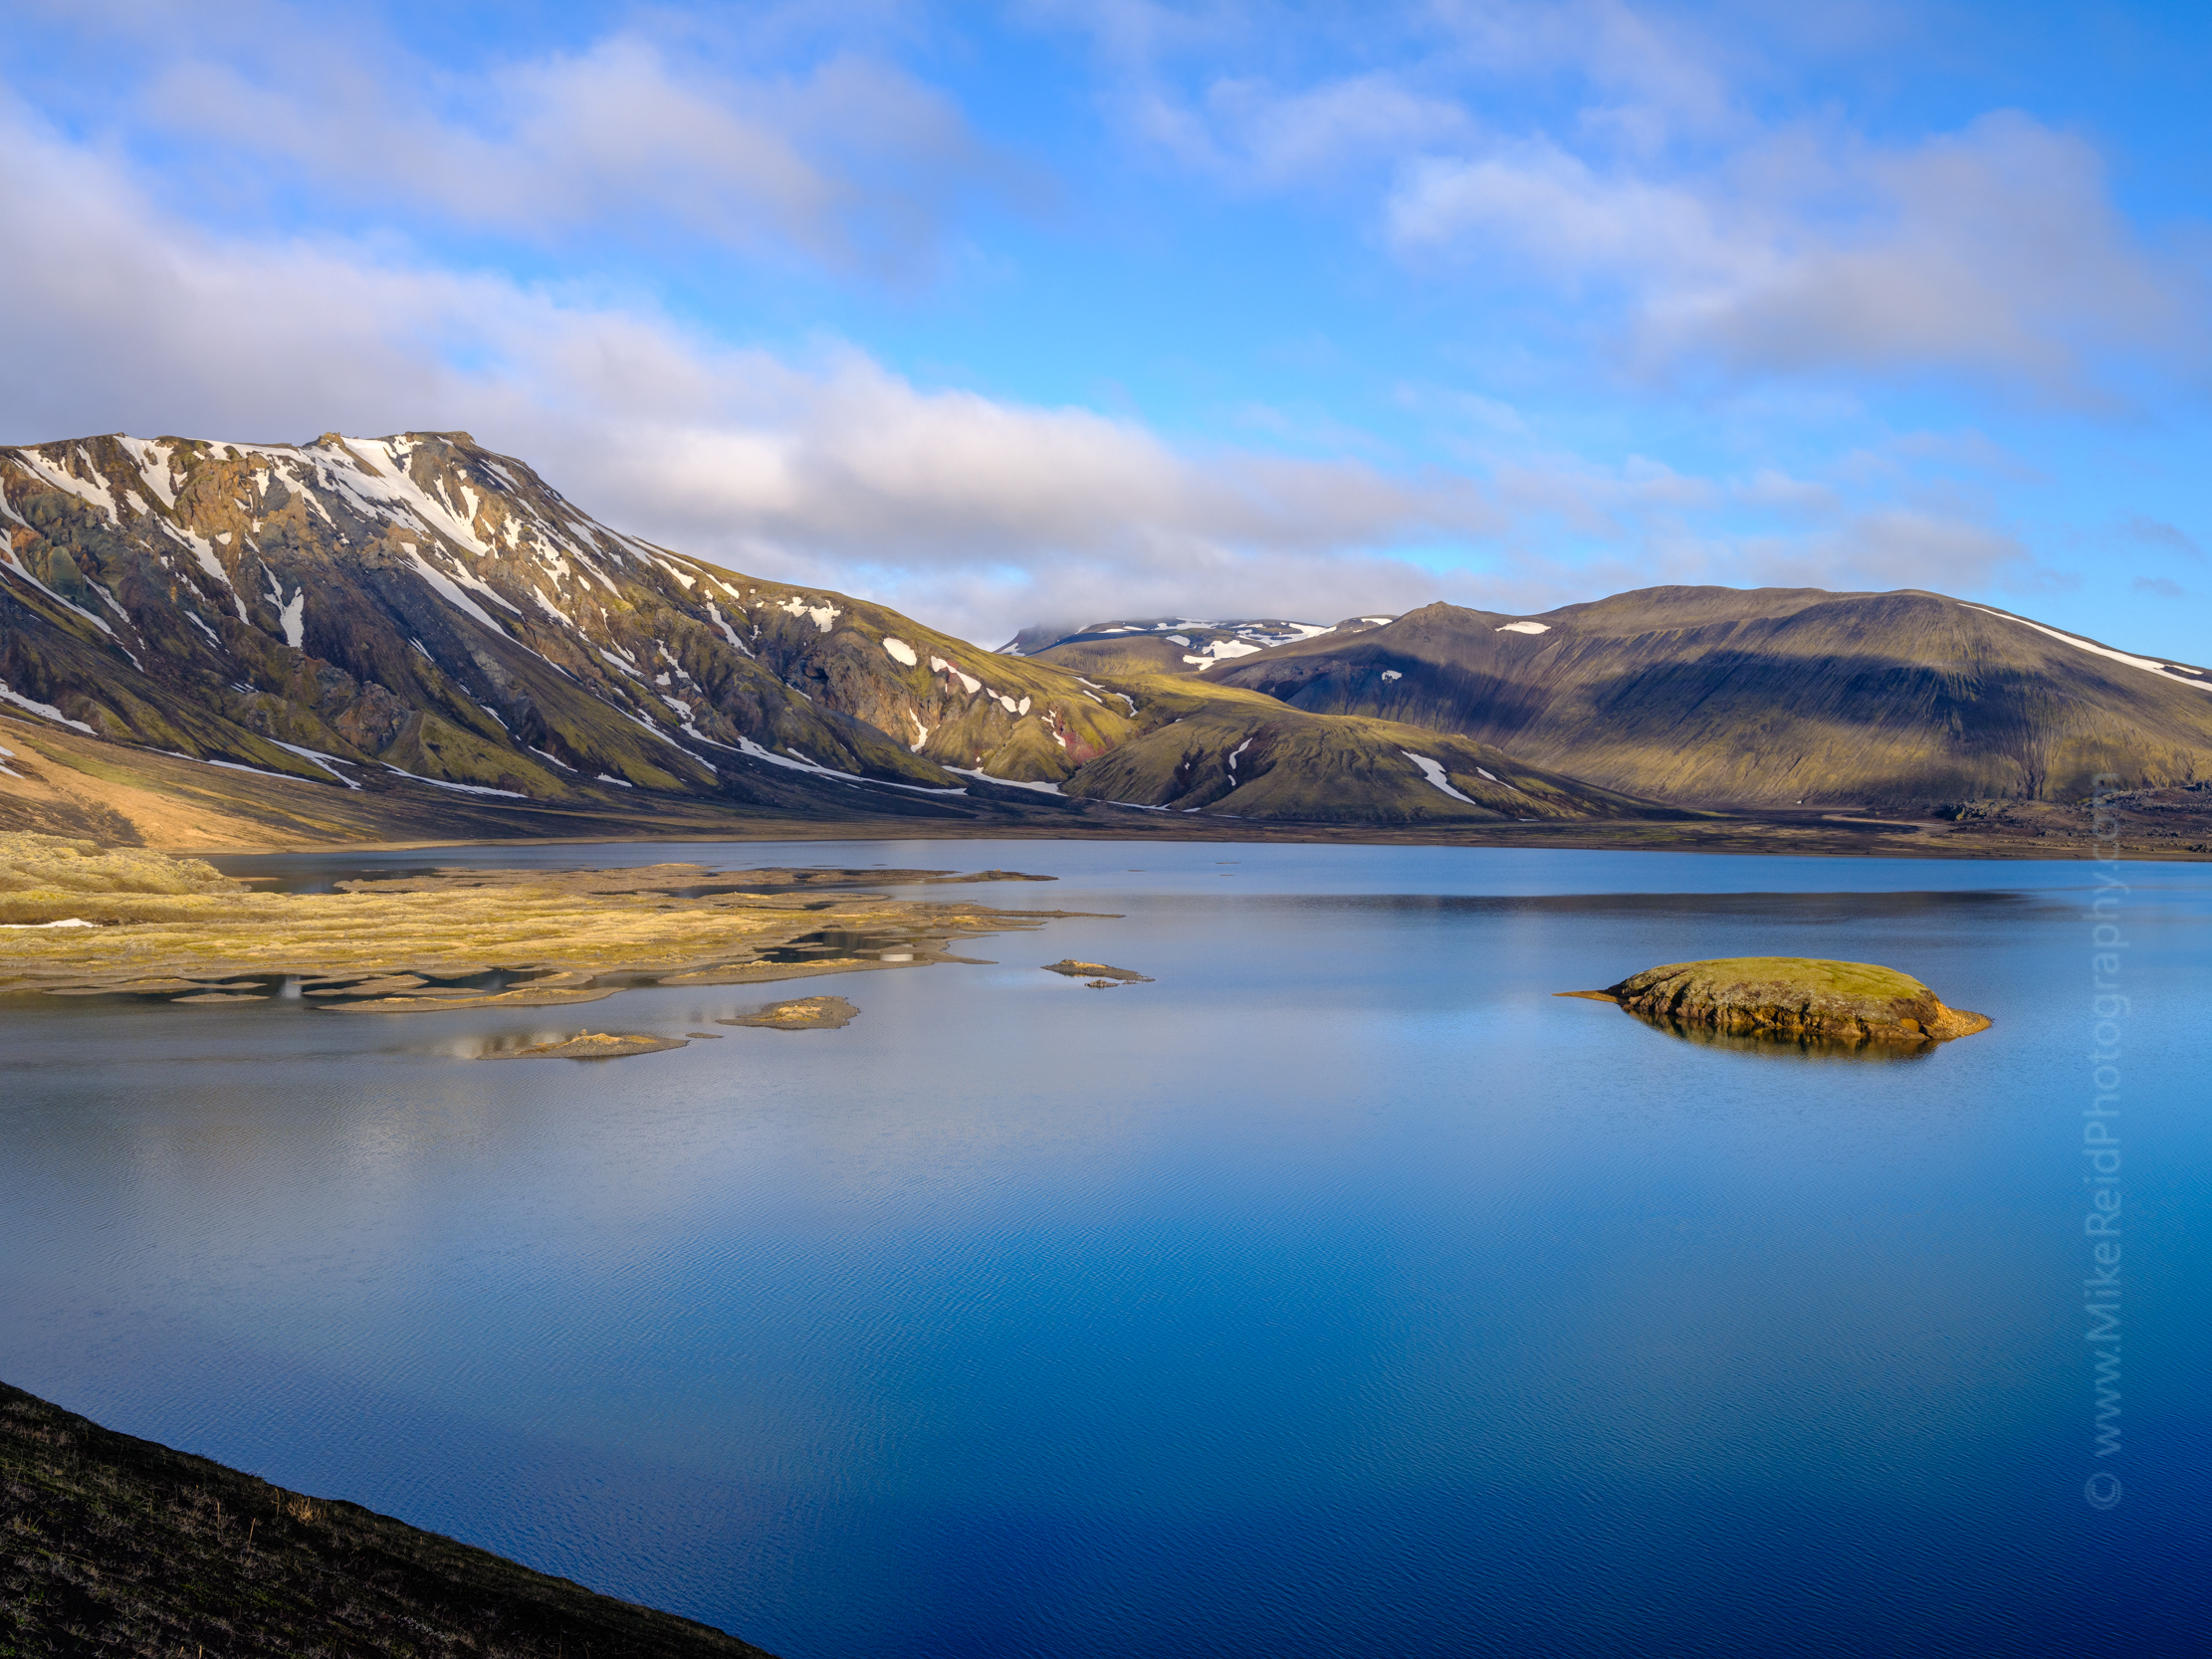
{"points": [[1341, 1291], [1800, 1045]]}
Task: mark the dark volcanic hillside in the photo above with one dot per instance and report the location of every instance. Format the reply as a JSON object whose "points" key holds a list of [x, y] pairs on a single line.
{"points": [[119, 1545], [1770, 697]]}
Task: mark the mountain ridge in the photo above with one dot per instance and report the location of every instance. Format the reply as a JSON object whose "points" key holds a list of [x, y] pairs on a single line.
{"points": [[414, 637], [1769, 696], [424, 605], [418, 613]]}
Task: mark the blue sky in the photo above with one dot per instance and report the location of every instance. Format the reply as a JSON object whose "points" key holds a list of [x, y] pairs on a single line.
{"points": [[1041, 311]]}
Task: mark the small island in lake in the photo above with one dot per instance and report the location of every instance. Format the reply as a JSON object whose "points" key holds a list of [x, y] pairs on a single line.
{"points": [[806, 1013], [1097, 975], [1792, 996], [591, 1045]]}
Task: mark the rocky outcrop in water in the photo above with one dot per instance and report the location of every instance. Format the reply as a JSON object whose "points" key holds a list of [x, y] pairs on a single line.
{"points": [[1792, 996]]}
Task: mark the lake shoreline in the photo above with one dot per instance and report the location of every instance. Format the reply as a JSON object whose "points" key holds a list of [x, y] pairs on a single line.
{"points": [[1762, 838]]}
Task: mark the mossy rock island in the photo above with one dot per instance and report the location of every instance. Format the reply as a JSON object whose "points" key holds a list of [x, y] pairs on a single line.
{"points": [[1794, 997], [591, 1045], [806, 1013]]}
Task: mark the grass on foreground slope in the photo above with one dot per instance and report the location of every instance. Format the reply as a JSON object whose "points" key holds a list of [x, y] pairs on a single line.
{"points": [[121, 1545]]}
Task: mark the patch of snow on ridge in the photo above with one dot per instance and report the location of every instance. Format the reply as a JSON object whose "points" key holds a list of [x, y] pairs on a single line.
{"points": [[1433, 772], [938, 665], [73, 922], [727, 632], [2164, 671], [464, 788], [1525, 628], [899, 651], [204, 550], [1221, 650], [294, 617], [396, 489], [449, 591], [822, 614], [93, 488], [1009, 782], [8, 558], [328, 763], [46, 710], [153, 467], [799, 763], [1391, 674]]}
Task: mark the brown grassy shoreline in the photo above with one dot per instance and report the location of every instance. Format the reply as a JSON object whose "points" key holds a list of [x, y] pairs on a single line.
{"points": [[150, 924]]}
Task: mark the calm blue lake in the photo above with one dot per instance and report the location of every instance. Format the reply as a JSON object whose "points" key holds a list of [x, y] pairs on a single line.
{"points": [[1342, 1292]]}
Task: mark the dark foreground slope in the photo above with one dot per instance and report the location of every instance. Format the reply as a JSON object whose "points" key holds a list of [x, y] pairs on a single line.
{"points": [[121, 1545], [1770, 697]]}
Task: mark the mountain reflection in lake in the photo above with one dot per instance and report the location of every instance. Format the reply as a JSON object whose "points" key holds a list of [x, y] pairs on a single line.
{"points": [[1341, 1291]]}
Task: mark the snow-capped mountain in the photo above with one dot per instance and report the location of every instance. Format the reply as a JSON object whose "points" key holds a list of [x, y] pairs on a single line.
{"points": [[358, 610], [1195, 645]]}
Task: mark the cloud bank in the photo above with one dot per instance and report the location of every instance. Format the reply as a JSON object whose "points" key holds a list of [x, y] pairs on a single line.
{"points": [[1719, 245]]}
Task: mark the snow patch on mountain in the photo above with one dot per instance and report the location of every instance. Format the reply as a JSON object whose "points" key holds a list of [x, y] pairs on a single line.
{"points": [[1433, 771], [2164, 671]]}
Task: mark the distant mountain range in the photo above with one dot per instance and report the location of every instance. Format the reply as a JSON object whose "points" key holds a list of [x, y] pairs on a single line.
{"points": [[1720, 697], [412, 637]]}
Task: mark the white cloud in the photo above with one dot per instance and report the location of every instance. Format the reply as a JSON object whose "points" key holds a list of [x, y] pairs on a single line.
{"points": [[980, 514], [1894, 548], [1251, 133], [975, 514], [1609, 149], [1995, 251], [850, 162], [1557, 210]]}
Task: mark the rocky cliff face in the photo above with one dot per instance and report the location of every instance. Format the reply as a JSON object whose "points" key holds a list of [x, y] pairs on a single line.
{"points": [[354, 608]]}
